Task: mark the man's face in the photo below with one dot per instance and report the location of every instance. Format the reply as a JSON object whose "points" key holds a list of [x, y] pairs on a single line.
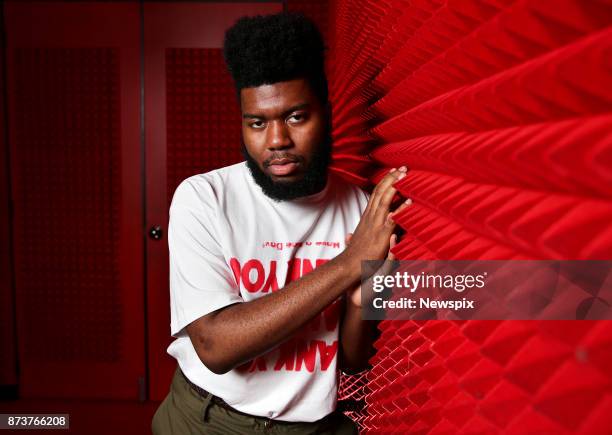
{"points": [[286, 138]]}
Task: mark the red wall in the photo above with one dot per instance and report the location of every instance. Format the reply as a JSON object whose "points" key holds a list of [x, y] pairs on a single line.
{"points": [[73, 85], [502, 110]]}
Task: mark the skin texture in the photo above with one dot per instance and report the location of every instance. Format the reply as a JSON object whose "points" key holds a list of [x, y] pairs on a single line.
{"points": [[286, 120], [282, 120]]}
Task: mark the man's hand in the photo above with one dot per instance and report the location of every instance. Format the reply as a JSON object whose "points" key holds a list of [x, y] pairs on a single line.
{"points": [[354, 295], [356, 334], [371, 238]]}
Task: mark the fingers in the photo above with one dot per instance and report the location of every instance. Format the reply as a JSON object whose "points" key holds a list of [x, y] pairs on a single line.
{"points": [[386, 196], [398, 210], [387, 267], [390, 222], [392, 243], [386, 185]]}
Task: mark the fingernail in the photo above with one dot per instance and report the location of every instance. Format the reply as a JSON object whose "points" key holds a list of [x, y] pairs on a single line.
{"points": [[403, 169], [402, 175], [408, 201]]}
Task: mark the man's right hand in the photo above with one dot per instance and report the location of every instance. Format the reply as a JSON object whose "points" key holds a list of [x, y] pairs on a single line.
{"points": [[370, 241]]}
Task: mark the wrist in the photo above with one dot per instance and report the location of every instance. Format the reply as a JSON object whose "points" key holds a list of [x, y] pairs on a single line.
{"points": [[351, 266]]}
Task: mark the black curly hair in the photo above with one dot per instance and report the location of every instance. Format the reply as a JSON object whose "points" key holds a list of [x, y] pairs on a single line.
{"points": [[267, 49]]}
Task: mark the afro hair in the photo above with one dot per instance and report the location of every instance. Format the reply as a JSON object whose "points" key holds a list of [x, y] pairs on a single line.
{"points": [[267, 49]]}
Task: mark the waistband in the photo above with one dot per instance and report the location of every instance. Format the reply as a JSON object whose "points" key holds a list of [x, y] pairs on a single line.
{"points": [[220, 402]]}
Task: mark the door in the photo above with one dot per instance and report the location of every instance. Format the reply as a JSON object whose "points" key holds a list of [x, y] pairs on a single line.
{"points": [[192, 124]]}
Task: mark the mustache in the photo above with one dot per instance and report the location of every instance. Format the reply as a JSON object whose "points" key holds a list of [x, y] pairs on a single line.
{"points": [[279, 156]]}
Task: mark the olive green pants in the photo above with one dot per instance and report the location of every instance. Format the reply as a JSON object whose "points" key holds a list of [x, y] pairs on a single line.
{"points": [[185, 412]]}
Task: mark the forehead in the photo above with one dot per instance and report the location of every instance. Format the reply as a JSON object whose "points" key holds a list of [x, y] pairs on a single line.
{"points": [[276, 97]]}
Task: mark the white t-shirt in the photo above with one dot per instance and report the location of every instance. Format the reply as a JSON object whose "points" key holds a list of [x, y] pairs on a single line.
{"points": [[230, 243]]}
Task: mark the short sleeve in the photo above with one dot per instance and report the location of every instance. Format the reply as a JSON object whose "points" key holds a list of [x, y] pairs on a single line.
{"points": [[201, 281]]}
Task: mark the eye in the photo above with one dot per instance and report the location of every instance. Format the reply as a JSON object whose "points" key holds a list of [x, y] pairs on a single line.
{"points": [[296, 118], [257, 124]]}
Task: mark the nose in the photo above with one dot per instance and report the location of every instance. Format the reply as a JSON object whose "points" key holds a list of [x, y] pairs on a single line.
{"points": [[278, 136]]}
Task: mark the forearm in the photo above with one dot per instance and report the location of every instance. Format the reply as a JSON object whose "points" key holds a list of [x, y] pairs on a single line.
{"points": [[241, 332], [356, 337]]}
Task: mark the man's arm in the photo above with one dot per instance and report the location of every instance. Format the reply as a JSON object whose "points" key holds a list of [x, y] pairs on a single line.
{"points": [[235, 334], [356, 339], [356, 335]]}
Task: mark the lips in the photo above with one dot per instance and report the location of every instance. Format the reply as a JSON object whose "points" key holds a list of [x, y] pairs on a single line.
{"points": [[282, 166]]}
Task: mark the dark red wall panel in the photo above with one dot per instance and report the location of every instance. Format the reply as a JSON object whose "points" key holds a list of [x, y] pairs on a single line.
{"points": [[502, 110], [202, 114], [73, 86], [8, 346]]}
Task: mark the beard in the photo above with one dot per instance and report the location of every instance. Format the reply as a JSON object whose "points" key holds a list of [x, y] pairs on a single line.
{"points": [[313, 180]]}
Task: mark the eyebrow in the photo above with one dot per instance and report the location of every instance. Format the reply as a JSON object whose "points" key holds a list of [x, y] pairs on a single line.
{"points": [[285, 113]]}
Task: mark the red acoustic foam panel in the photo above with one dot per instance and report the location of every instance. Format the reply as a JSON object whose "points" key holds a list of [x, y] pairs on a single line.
{"points": [[202, 113], [67, 269], [502, 111]]}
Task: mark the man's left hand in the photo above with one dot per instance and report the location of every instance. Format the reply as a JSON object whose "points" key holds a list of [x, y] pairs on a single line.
{"points": [[354, 296]]}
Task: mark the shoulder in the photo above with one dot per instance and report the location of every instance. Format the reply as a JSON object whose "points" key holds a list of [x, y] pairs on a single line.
{"points": [[349, 196], [209, 187], [349, 192]]}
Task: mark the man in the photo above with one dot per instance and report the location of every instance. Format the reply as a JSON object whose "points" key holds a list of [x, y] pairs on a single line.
{"points": [[265, 301]]}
